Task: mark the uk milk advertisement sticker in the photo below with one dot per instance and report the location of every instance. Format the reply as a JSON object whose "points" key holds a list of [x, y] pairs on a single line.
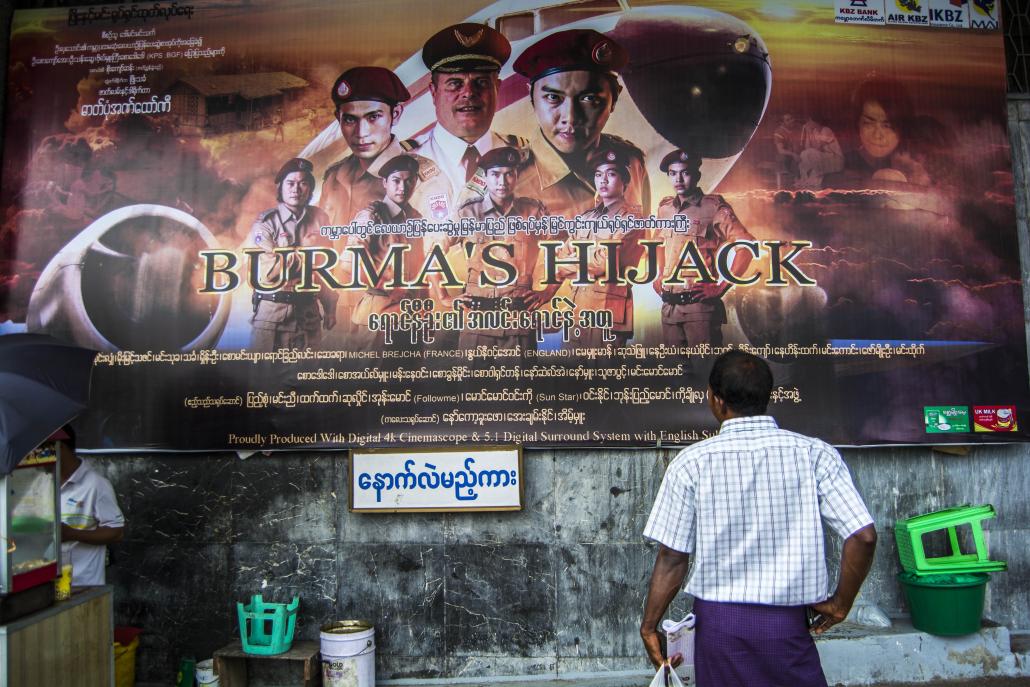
{"points": [[908, 12], [949, 14], [995, 419], [946, 419], [860, 12]]}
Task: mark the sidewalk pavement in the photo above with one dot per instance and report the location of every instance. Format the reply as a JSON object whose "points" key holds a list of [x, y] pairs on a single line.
{"points": [[852, 656]]}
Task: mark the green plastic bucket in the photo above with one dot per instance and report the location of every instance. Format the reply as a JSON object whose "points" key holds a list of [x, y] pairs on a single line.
{"points": [[948, 605]]}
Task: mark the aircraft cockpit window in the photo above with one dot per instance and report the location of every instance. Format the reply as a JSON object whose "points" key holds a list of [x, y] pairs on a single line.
{"points": [[516, 26], [553, 17]]}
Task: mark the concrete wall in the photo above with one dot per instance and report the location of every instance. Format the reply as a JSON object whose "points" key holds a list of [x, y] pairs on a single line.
{"points": [[556, 588]]}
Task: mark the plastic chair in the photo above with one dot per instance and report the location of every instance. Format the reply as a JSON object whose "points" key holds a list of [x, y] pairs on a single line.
{"points": [[909, 536], [267, 629]]}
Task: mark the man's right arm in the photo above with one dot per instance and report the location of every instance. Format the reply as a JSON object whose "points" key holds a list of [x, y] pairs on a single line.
{"points": [[670, 569]]}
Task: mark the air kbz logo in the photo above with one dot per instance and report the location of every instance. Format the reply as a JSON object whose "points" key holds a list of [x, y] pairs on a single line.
{"points": [[859, 3], [984, 16], [911, 12]]}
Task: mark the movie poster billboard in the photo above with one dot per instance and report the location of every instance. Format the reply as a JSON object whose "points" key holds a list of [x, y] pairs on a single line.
{"points": [[325, 225]]}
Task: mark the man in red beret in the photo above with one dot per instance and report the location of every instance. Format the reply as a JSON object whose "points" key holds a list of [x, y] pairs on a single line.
{"points": [[399, 177], [693, 312], [284, 317], [573, 88], [369, 101], [612, 176], [464, 61], [519, 249]]}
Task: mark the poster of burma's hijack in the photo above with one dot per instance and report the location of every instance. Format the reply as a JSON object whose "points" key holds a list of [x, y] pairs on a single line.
{"points": [[324, 225]]}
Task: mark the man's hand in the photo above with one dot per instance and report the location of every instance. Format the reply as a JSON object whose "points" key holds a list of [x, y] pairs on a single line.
{"points": [[329, 320], [855, 560], [830, 612], [707, 292], [537, 299]]}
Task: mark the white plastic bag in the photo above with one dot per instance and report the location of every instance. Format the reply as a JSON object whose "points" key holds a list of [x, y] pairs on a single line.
{"points": [[870, 615], [666, 677], [679, 639]]}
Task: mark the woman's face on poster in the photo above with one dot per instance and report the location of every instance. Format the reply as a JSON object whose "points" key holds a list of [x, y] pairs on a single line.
{"points": [[876, 131]]}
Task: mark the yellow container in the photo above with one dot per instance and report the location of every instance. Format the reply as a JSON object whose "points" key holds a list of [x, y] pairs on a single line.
{"points": [[125, 663], [63, 588]]}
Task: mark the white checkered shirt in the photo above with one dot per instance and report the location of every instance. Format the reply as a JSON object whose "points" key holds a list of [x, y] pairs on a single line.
{"points": [[747, 504]]}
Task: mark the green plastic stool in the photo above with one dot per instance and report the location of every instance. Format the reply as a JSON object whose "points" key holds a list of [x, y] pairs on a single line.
{"points": [[267, 629], [909, 535]]}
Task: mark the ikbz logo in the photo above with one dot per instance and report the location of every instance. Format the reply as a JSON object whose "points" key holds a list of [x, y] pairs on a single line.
{"points": [[985, 14]]}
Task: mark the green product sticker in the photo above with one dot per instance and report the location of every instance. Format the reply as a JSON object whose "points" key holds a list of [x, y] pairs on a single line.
{"points": [[946, 419]]}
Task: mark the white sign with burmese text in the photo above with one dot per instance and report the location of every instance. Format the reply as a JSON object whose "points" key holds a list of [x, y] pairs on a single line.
{"points": [[480, 478]]}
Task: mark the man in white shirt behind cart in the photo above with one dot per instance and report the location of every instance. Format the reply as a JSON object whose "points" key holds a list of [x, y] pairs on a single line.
{"points": [[90, 517]]}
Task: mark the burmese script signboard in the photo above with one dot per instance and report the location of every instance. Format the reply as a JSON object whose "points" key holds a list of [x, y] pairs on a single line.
{"points": [[324, 225], [486, 478]]}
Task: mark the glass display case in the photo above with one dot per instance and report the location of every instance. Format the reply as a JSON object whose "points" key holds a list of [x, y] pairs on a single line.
{"points": [[30, 524]]}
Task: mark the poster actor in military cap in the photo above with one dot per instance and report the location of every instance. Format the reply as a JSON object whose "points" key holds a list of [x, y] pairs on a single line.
{"points": [[694, 312], [521, 250], [464, 61], [368, 101], [399, 177], [612, 176], [284, 317], [574, 87]]}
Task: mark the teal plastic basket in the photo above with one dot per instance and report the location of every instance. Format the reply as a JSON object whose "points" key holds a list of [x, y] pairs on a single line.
{"points": [[267, 629]]}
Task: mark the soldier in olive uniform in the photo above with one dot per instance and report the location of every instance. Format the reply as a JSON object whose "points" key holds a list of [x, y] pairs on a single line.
{"points": [[694, 313], [611, 177], [286, 318], [574, 86], [521, 249], [399, 177]]}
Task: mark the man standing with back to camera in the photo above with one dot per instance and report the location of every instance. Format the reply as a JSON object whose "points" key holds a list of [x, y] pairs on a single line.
{"points": [[748, 504]]}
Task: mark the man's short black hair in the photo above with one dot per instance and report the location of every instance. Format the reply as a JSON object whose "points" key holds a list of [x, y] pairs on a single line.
{"points": [[744, 381], [67, 429]]}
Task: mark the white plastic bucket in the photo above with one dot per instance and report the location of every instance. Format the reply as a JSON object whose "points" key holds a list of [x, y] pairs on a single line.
{"points": [[348, 654], [206, 674]]}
